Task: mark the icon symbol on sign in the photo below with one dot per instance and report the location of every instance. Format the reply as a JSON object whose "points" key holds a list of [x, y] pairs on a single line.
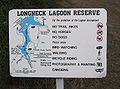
{"points": [[99, 70], [99, 38], [100, 25], [99, 58], [99, 47], [99, 32], [99, 53], [99, 64]]}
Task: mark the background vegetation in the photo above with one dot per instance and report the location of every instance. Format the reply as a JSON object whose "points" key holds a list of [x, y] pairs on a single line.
{"points": [[112, 81]]}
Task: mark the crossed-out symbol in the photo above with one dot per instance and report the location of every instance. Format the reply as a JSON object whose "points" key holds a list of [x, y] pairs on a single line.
{"points": [[99, 38], [99, 32], [99, 25]]}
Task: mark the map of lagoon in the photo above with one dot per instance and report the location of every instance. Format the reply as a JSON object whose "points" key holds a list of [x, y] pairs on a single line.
{"points": [[24, 30]]}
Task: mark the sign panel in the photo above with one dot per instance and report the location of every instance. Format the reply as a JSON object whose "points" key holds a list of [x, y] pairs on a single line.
{"points": [[58, 43]]}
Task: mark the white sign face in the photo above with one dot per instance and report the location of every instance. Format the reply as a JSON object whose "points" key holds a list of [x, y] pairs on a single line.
{"points": [[58, 43]]}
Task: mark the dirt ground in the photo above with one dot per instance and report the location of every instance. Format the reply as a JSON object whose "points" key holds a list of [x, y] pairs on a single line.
{"points": [[111, 81]]}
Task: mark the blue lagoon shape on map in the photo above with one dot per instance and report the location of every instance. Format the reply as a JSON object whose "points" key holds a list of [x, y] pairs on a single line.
{"points": [[25, 23]]}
